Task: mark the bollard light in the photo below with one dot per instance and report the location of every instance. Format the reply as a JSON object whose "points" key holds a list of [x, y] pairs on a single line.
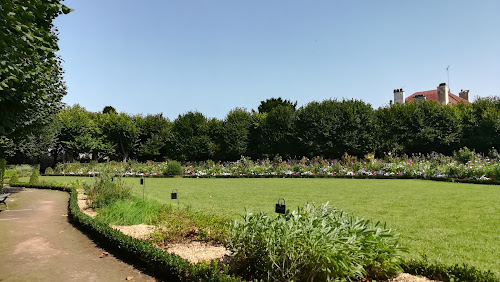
{"points": [[280, 206], [173, 195]]}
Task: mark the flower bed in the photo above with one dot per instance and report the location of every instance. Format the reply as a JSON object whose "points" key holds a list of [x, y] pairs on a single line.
{"points": [[477, 169]]}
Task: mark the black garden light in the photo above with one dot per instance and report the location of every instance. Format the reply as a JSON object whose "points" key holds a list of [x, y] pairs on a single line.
{"points": [[174, 196], [280, 206], [143, 186]]}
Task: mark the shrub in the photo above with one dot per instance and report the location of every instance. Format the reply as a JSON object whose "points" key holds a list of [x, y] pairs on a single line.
{"points": [[14, 178], [24, 170], [312, 244], [9, 173], [105, 191], [493, 153], [464, 155], [173, 168], [35, 175], [441, 272], [49, 170]]}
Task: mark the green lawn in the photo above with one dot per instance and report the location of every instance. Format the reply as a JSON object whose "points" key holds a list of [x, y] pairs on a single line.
{"points": [[450, 222]]}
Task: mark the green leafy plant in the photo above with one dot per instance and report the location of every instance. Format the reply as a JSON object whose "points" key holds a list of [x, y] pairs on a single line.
{"points": [[49, 170], [493, 153], [173, 168], [441, 272], [23, 170], [464, 155], [104, 191], [14, 178], [312, 244], [35, 175], [9, 173]]}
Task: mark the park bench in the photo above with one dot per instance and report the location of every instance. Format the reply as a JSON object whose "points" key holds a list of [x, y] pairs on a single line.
{"points": [[3, 198]]}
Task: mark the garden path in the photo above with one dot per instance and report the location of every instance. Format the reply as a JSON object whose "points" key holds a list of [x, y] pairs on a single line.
{"points": [[37, 243]]}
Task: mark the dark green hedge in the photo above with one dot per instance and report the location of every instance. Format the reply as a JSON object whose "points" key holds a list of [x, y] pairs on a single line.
{"points": [[442, 272]]}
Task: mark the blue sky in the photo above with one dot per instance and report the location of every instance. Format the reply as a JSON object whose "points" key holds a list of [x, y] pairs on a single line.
{"points": [[170, 57]]}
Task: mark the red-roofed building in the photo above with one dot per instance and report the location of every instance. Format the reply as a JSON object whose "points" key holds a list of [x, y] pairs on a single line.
{"points": [[442, 95]]}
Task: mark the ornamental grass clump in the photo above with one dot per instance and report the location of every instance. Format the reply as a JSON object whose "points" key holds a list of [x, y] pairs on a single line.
{"points": [[312, 244], [106, 190]]}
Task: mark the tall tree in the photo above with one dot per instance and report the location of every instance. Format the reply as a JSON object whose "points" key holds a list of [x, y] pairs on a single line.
{"points": [[31, 83], [481, 124], [333, 127], [109, 110], [419, 127], [269, 104], [78, 133], [121, 131], [190, 138], [278, 132], [234, 134], [154, 131]]}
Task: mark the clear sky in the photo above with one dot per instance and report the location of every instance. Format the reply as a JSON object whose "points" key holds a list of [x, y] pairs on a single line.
{"points": [[170, 57]]}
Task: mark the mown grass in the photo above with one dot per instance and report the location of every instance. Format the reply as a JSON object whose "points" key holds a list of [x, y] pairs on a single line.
{"points": [[449, 222]]}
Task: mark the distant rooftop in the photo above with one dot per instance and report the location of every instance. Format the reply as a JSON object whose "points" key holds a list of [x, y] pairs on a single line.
{"points": [[432, 95]]}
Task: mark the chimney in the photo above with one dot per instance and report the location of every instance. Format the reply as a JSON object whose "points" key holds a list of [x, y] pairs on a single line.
{"points": [[399, 96], [443, 94], [464, 94]]}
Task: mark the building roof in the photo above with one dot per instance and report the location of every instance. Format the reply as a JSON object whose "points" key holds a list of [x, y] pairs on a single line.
{"points": [[432, 95]]}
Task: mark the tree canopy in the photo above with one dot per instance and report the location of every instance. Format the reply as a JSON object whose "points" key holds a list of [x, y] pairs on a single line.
{"points": [[31, 83], [269, 104]]}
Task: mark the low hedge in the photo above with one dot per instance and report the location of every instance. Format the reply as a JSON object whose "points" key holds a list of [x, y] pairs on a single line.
{"points": [[170, 267], [442, 272]]}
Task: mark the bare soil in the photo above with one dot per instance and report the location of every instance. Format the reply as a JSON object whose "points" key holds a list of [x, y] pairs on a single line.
{"points": [[405, 277], [197, 251], [192, 251], [140, 231], [82, 204]]}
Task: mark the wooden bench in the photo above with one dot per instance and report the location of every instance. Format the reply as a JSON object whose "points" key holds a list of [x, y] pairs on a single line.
{"points": [[3, 198]]}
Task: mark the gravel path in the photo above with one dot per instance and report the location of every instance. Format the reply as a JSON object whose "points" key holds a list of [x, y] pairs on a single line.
{"points": [[38, 244]]}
